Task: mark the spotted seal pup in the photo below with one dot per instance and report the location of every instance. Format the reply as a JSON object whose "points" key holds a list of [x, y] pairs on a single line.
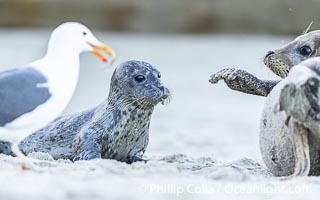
{"points": [[279, 61], [116, 129], [290, 123]]}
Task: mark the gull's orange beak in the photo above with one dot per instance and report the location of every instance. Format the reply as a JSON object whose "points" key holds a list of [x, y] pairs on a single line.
{"points": [[104, 48]]}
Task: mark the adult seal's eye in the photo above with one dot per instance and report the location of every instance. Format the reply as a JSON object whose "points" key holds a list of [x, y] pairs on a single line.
{"points": [[159, 75], [305, 50], [140, 78]]}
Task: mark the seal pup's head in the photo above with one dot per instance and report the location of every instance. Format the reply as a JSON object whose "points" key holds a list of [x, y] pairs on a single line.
{"points": [[280, 61], [139, 83]]}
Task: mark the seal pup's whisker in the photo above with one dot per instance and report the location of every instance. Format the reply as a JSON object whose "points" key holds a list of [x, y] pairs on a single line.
{"points": [[168, 99]]}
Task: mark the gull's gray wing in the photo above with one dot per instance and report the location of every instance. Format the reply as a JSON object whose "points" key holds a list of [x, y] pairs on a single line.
{"points": [[21, 91]]}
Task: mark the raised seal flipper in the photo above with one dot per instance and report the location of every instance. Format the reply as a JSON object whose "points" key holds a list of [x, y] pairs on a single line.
{"points": [[242, 81]]}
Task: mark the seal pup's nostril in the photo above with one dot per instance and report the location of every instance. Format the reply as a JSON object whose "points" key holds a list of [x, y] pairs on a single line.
{"points": [[166, 92], [162, 88], [269, 53]]}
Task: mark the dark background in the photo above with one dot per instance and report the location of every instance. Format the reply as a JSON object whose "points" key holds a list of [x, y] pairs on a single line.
{"points": [[167, 16]]}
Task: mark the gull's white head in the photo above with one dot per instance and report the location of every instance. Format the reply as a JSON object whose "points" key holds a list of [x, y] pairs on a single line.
{"points": [[75, 38]]}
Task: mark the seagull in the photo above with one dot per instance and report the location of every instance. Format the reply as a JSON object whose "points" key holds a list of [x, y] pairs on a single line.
{"points": [[34, 95]]}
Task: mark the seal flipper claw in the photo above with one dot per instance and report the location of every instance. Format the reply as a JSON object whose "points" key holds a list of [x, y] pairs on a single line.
{"points": [[137, 159], [221, 75]]}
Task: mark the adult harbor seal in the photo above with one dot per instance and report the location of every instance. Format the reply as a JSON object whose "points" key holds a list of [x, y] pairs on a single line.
{"points": [[279, 62], [290, 128], [116, 129]]}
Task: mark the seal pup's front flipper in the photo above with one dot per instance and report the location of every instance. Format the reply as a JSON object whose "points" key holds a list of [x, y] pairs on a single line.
{"points": [[242, 81], [87, 145]]}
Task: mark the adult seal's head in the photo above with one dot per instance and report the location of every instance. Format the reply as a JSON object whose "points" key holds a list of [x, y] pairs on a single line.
{"points": [[139, 83], [280, 61]]}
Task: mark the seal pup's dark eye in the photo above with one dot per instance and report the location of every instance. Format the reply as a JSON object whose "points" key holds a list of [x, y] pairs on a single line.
{"points": [[139, 78], [305, 50], [159, 75], [84, 33]]}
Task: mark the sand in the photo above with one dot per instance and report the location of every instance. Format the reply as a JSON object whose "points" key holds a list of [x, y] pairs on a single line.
{"points": [[203, 145]]}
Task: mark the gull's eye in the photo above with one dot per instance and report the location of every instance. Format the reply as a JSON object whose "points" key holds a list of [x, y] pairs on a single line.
{"points": [[159, 75], [140, 78], [305, 50], [84, 33]]}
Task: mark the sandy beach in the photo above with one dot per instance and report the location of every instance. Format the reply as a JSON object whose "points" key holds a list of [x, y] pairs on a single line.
{"points": [[203, 145]]}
